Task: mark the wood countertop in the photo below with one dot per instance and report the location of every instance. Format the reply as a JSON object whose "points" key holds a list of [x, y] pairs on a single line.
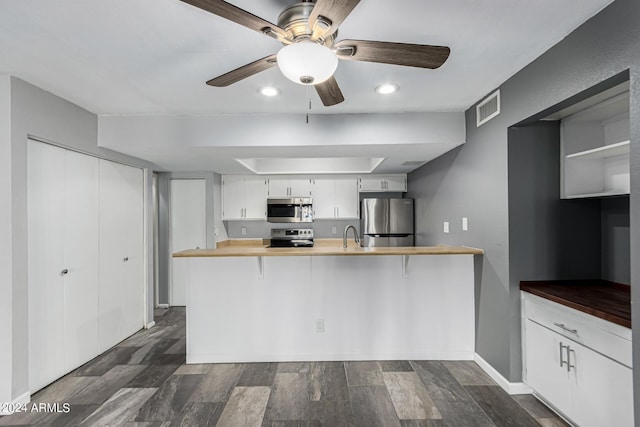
{"points": [[243, 248], [606, 300]]}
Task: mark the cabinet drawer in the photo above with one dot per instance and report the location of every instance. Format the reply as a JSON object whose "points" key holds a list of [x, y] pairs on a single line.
{"points": [[605, 337]]}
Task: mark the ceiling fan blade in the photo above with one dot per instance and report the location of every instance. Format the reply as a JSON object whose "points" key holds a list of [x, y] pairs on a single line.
{"points": [[333, 10], [243, 72], [329, 92], [239, 16], [411, 55]]}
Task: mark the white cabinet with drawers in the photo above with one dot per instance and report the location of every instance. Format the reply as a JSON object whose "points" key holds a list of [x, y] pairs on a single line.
{"points": [[578, 363]]}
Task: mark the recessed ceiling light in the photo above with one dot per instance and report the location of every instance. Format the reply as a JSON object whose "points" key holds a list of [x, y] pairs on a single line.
{"points": [[269, 91], [387, 89]]}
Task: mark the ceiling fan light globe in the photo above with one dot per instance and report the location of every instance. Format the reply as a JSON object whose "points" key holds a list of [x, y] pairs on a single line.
{"points": [[307, 63]]}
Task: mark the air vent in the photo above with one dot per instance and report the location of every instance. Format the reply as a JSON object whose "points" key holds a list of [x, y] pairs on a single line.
{"points": [[414, 163], [488, 108]]}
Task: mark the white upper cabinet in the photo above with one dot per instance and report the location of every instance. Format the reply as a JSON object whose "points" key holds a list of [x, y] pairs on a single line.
{"points": [[285, 186], [335, 198], [383, 183], [595, 150], [244, 197]]}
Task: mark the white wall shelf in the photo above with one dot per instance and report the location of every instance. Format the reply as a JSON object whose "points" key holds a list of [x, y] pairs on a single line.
{"points": [[611, 150], [595, 150]]}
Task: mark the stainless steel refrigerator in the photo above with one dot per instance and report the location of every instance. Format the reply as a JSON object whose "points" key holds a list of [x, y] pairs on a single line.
{"points": [[386, 222]]}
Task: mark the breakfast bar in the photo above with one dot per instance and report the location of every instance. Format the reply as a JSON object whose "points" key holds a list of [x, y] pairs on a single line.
{"points": [[247, 302]]}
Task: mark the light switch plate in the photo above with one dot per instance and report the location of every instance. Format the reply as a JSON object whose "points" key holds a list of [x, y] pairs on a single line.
{"points": [[446, 227], [465, 224]]}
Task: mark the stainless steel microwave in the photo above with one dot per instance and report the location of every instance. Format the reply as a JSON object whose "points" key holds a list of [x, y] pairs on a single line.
{"points": [[293, 209]]}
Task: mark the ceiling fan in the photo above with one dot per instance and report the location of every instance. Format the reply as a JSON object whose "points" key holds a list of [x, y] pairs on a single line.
{"points": [[308, 31]]}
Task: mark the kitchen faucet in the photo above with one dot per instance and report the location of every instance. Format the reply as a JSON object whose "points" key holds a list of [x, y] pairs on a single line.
{"points": [[344, 235]]}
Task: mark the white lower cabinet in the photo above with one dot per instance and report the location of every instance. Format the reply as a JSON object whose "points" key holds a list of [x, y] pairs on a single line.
{"points": [[570, 362], [77, 223]]}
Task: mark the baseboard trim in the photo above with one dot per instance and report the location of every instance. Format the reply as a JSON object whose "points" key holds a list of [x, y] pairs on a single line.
{"points": [[163, 305], [23, 399], [150, 324], [509, 387]]}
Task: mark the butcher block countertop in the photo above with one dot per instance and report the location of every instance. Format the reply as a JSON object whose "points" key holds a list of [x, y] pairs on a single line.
{"points": [[258, 247], [606, 300]]}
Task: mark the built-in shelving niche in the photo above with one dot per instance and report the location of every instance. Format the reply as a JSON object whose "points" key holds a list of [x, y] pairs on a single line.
{"points": [[595, 149]]}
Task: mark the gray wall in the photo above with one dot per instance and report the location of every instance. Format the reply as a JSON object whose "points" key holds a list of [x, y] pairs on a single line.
{"points": [[549, 238], [472, 180], [36, 112], [615, 238]]}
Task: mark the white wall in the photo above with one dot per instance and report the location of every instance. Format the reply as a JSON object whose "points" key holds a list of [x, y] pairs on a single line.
{"points": [[6, 271], [35, 112]]}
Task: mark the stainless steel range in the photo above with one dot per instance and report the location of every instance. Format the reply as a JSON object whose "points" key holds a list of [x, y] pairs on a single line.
{"points": [[291, 237]]}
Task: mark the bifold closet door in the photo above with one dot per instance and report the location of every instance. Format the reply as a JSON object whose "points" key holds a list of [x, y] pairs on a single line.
{"points": [[188, 228], [62, 261], [121, 252]]}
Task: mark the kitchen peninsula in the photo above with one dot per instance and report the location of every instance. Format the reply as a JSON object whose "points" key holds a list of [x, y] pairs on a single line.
{"points": [[250, 303]]}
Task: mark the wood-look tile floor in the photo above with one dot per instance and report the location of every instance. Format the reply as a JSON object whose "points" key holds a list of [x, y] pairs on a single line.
{"points": [[144, 381]]}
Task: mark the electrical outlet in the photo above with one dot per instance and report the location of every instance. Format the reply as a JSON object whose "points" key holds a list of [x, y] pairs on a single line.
{"points": [[243, 231], [319, 325], [465, 224], [334, 230], [446, 226]]}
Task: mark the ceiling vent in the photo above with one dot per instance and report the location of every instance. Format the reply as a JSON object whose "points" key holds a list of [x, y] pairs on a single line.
{"points": [[488, 108], [414, 163]]}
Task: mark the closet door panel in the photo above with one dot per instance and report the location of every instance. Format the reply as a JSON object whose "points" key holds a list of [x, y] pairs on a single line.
{"points": [[132, 255], [121, 289], [81, 260], [46, 201]]}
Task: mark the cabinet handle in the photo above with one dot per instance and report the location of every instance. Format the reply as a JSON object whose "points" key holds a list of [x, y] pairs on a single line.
{"points": [[564, 328], [569, 365], [338, 212], [562, 361], [64, 272], [125, 259]]}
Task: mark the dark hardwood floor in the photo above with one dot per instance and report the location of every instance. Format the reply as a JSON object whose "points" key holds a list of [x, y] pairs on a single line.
{"points": [[144, 382]]}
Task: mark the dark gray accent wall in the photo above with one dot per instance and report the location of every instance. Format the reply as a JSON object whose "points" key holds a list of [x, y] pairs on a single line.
{"points": [[471, 181], [549, 238], [615, 240]]}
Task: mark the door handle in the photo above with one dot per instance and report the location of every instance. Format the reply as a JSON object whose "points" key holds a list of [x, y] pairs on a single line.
{"points": [[562, 361], [64, 272], [569, 365], [564, 328]]}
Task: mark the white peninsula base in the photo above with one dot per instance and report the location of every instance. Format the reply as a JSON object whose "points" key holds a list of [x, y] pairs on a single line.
{"points": [[322, 308]]}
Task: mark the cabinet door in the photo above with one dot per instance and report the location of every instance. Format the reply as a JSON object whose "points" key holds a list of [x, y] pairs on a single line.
{"points": [[371, 183], [395, 183], [543, 371], [279, 187], [300, 187], [603, 390], [346, 198], [255, 197], [233, 197], [323, 195], [46, 228], [81, 259]]}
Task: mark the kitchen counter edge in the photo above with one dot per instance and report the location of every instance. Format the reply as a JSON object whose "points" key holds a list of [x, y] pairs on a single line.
{"points": [[325, 250]]}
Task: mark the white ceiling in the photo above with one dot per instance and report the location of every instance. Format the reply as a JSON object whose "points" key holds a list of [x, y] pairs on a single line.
{"points": [[153, 57]]}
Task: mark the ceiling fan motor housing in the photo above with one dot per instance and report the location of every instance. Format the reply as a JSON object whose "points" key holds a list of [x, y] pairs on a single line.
{"points": [[295, 21]]}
